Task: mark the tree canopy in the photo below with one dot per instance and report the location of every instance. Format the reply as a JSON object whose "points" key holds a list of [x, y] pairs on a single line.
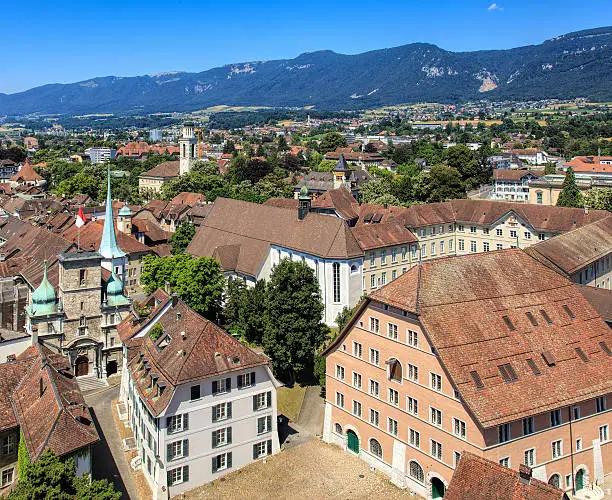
{"points": [[182, 237], [570, 195]]}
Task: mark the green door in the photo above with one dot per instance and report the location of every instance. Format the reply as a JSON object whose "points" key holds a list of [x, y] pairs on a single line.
{"points": [[437, 488], [353, 441], [580, 479]]}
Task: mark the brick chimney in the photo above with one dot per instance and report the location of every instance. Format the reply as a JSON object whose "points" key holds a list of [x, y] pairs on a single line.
{"points": [[524, 474]]}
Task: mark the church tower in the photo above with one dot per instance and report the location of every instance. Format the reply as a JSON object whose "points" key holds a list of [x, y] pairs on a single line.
{"points": [[113, 258], [124, 219], [188, 148]]}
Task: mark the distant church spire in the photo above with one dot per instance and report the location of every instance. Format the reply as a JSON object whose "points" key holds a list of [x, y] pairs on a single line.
{"points": [[109, 249]]}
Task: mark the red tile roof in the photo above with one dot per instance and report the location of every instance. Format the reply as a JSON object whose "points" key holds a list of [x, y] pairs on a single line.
{"points": [[466, 305], [58, 419], [341, 200], [205, 350], [26, 174], [505, 174], [477, 478], [387, 234], [91, 235], [167, 169], [599, 165]]}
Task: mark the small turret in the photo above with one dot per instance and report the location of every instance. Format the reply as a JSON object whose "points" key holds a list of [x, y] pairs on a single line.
{"points": [[44, 300], [114, 292], [303, 203], [124, 219]]}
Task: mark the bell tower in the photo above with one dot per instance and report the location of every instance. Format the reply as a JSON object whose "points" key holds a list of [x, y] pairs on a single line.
{"points": [[188, 147]]}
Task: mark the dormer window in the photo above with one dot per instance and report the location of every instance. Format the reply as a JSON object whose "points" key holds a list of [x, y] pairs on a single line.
{"points": [[395, 370], [161, 386]]}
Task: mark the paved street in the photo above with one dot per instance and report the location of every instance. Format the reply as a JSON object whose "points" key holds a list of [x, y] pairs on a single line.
{"points": [[108, 458], [309, 423]]}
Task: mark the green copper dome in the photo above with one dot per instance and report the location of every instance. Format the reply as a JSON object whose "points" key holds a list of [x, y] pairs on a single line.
{"points": [[44, 300], [125, 210], [114, 292], [304, 193]]}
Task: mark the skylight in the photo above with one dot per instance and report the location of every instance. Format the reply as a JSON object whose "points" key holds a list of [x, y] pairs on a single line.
{"points": [[477, 379], [549, 358], [533, 366], [507, 372], [605, 348], [532, 319], [582, 355], [546, 316], [569, 312], [508, 323]]}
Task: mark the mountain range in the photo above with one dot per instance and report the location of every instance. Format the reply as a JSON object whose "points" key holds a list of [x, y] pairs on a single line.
{"points": [[574, 65]]}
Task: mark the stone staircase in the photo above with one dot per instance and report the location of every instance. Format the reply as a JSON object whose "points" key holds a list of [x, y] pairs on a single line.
{"points": [[591, 492], [90, 384]]}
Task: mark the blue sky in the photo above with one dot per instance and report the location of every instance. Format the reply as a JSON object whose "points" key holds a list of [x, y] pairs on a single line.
{"points": [[66, 41]]}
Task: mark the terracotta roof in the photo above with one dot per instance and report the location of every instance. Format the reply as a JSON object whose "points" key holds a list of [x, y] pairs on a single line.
{"points": [[477, 478], [186, 198], [256, 227], [91, 235], [26, 174], [368, 212], [371, 236], [167, 169], [600, 299], [574, 250], [340, 200], [58, 419], [151, 230], [350, 156], [205, 350], [474, 310], [591, 164], [505, 174]]}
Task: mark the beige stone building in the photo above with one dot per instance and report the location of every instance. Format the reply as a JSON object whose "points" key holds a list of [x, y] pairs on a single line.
{"points": [[152, 180], [546, 190], [491, 353]]}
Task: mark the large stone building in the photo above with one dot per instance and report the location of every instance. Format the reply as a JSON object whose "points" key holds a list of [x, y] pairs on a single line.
{"points": [[81, 318], [512, 185], [546, 190], [200, 403], [492, 353]]}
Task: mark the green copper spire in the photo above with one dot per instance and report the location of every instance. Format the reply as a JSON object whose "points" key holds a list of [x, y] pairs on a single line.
{"points": [[114, 292], [44, 300], [109, 249]]}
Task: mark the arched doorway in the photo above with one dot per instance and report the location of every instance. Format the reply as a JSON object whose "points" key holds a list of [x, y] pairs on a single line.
{"points": [[555, 480], [353, 441], [580, 479], [437, 488], [81, 366], [111, 368]]}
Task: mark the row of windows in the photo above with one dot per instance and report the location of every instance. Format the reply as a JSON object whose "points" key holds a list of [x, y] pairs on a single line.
{"points": [[224, 385], [556, 449], [556, 419]]}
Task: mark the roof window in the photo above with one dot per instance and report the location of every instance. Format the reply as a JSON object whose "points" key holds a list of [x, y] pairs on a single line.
{"points": [[533, 366], [508, 373], [569, 312], [605, 348], [582, 355], [477, 379], [549, 358], [546, 316], [531, 318], [508, 323]]}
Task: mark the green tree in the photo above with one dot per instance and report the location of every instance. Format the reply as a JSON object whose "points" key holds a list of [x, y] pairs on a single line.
{"points": [[182, 237], [331, 141], [344, 316], [325, 166], [570, 195], [293, 320], [441, 184], [599, 199], [282, 144], [53, 478], [198, 281], [550, 168], [244, 309]]}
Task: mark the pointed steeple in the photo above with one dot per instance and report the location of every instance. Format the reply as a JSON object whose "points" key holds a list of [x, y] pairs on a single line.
{"points": [[109, 249]]}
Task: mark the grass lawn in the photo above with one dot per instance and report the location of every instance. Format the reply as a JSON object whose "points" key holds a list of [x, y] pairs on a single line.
{"points": [[290, 401]]}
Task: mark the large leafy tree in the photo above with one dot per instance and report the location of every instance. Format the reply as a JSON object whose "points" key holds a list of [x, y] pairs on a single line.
{"points": [[182, 237], [53, 478], [599, 199], [198, 281], [570, 195], [244, 307], [293, 320], [441, 184], [331, 141]]}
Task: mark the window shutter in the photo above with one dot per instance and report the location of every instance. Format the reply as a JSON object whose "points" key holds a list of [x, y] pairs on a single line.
{"points": [[239, 381], [229, 460], [260, 425], [169, 455], [269, 418], [169, 478], [252, 378], [169, 423], [269, 447], [214, 414], [214, 464], [254, 452], [228, 384], [229, 410], [229, 435], [214, 439], [269, 396], [254, 402], [185, 421], [215, 386], [185, 447], [185, 473]]}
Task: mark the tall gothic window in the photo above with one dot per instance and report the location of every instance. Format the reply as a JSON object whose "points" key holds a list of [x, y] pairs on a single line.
{"points": [[336, 277]]}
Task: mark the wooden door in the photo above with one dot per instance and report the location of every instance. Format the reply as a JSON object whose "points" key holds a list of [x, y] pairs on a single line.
{"points": [[81, 366]]}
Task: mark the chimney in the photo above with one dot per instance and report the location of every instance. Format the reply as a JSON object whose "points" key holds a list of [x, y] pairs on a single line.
{"points": [[586, 210], [524, 474], [174, 299], [34, 335]]}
